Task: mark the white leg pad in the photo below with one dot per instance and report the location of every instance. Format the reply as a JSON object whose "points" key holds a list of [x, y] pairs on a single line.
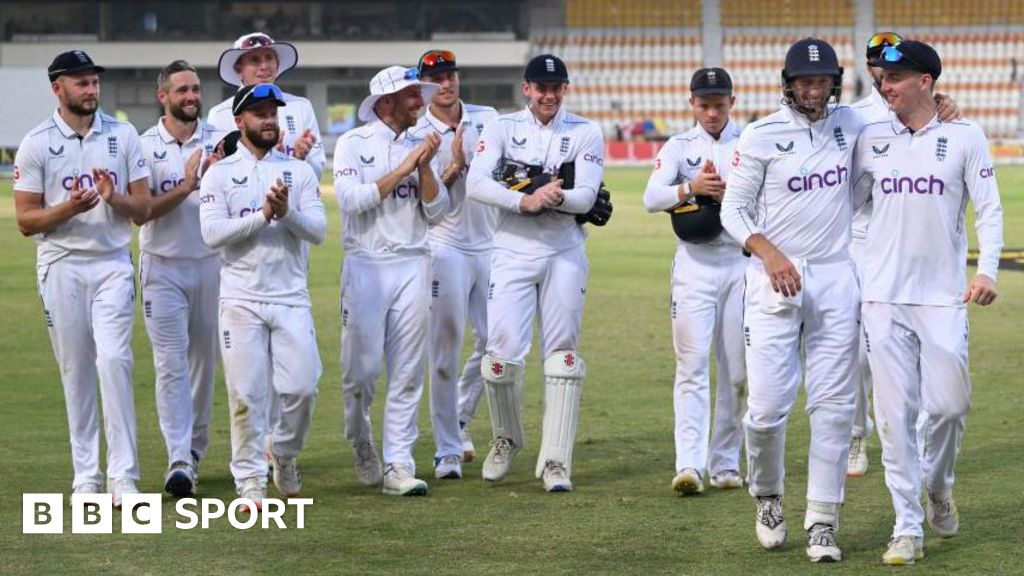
{"points": [[821, 513], [504, 397], [563, 382]]}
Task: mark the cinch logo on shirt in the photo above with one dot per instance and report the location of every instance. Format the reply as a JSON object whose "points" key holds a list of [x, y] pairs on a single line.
{"points": [[168, 185], [986, 172], [253, 207], [593, 158], [84, 181], [408, 190], [923, 185], [807, 182], [345, 172]]}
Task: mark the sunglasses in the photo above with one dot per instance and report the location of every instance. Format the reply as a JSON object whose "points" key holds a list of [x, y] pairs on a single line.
{"points": [[256, 41], [412, 74], [259, 92], [893, 54], [435, 57], [884, 38]]}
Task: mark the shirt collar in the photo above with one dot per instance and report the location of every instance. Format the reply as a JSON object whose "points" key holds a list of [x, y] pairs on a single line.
{"points": [[554, 121], [68, 132], [169, 139], [247, 154], [898, 127], [726, 134], [440, 125]]}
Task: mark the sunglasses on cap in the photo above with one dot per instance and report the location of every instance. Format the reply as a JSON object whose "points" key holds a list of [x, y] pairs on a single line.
{"points": [[893, 54], [884, 39], [435, 57], [412, 74], [256, 41], [258, 92]]}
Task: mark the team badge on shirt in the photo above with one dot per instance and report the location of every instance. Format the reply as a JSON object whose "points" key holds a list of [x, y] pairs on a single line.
{"points": [[366, 161], [693, 163], [940, 148], [112, 146], [880, 152], [56, 153], [840, 138], [564, 148], [159, 156], [783, 150], [518, 143]]}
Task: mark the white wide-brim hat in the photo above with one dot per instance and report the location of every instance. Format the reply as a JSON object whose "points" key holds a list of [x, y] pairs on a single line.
{"points": [[389, 81], [287, 56]]}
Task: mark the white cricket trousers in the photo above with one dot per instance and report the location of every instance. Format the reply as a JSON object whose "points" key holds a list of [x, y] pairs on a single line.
{"points": [[267, 348], [384, 313], [179, 304], [458, 291], [825, 326], [89, 305], [919, 361], [862, 423], [553, 286], [707, 307]]}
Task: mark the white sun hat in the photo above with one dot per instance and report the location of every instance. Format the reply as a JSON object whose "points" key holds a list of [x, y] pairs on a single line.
{"points": [[388, 81], [287, 56]]}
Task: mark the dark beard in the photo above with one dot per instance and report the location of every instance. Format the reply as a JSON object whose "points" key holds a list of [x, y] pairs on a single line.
{"points": [[179, 113], [79, 109], [255, 137]]}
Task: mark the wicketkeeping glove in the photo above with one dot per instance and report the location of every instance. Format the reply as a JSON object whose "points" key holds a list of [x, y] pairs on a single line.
{"points": [[601, 212]]}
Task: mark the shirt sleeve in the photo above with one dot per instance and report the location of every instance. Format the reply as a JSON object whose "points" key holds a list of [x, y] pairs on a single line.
{"points": [[354, 196], [662, 192], [863, 181], [28, 169], [216, 225], [745, 183], [306, 219], [980, 182], [480, 184], [137, 167], [317, 157], [589, 171]]}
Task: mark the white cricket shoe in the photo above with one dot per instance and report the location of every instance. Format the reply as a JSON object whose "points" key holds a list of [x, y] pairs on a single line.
{"points": [[904, 550], [448, 467], [87, 488], [821, 544], [688, 482], [499, 461], [119, 487], [555, 477], [399, 481], [368, 468], [857, 462], [770, 525], [286, 475], [726, 480], [180, 479], [943, 517], [468, 450], [254, 489]]}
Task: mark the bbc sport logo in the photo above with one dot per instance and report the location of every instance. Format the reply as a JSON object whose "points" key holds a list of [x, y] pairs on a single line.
{"points": [[143, 513]]}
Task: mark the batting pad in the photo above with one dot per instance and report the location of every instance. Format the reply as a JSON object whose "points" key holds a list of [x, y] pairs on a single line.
{"points": [[504, 383], [563, 382]]}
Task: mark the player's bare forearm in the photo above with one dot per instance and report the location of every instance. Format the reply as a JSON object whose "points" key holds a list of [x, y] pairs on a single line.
{"points": [[134, 205], [165, 203], [35, 219], [389, 181]]}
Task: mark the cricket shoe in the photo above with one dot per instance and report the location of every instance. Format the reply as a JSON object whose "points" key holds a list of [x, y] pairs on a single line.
{"points": [[180, 479], [821, 544], [726, 480], [119, 487], [943, 517], [448, 467], [368, 468], [254, 489], [499, 461], [555, 477], [87, 488], [399, 481], [286, 475], [904, 550], [857, 461], [468, 450], [688, 483], [770, 525]]}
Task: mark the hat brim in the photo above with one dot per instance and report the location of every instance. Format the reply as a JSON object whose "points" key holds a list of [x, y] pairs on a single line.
{"points": [[255, 103], [711, 92], [366, 113], [287, 58], [444, 67], [902, 65], [78, 70], [547, 79]]}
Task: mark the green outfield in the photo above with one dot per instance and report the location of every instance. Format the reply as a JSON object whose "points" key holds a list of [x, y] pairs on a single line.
{"points": [[622, 518]]}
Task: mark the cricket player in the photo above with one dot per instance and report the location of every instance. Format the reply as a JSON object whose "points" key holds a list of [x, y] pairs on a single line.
{"points": [[79, 182], [788, 203], [180, 275], [261, 209], [707, 288], [460, 265], [388, 183], [538, 266], [920, 174]]}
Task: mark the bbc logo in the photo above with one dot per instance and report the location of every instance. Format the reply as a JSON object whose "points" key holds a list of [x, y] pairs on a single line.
{"points": [[91, 514], [143, 513]]}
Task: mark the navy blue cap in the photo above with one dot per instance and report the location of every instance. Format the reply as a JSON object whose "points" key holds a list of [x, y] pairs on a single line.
{"points": [[711, 81], [546, 68], [71, 62], [911, 55]]}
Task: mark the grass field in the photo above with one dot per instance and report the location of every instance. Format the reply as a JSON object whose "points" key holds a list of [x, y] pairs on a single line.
{"points": [[622, 518]]}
